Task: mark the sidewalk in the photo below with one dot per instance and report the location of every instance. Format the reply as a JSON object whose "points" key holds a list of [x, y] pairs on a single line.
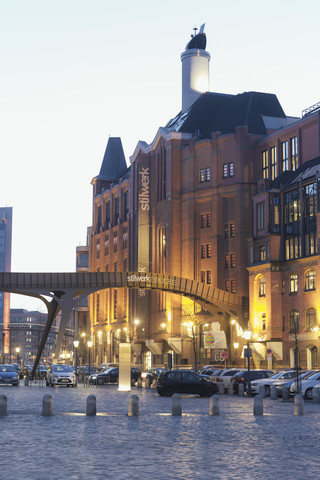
{"points": [[234, 445]]}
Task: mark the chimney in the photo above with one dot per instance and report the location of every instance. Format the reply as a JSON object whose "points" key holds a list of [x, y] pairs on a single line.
{"points": [[195, 69]]}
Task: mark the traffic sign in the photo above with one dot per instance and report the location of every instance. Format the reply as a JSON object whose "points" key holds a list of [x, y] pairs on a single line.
{"points": [[224, 355], [269, 351]]}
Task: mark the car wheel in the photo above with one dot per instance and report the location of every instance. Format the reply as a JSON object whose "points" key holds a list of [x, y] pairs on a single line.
{"points": [[168, 392], [267, 390], [308, 394]]}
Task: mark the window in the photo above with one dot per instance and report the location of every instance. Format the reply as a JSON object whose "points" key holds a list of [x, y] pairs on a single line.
{"points": [[294, 321], [294, 153], [232, 230], [265, 164], [274, 166], [231, 169], [262, 253], [125, 238], [106, 245], [226, 231], [115, 266], [233, 286], [262, 286], [201, 175], [115, 241], [293, 283], [205, 220], [209, 277], [125, 205], [275, 213], [227, 285], [233, 260], [225, 170], [208, 174], [125, 265], [203, 251], [202, 221], [263, 324], [208, 250], [115, 304], [203, 276], [311, 318], [227, 261], [116, 210], [208, 220], [284, 156], [310, 280], [108, 214], [260, 216]]}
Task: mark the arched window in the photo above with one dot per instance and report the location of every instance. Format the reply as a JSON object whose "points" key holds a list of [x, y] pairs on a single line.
{"points": [[262, 286], [293, 283], [311, 318], [294, 321], [310, 280]]}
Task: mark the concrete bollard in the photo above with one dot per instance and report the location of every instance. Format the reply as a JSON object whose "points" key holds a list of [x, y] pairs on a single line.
{"points": [[214, 405], [230, 389], [133, 406], [3, 405], [139, 383], [47, 406], [26, 381], [262, 391], [221, 388], [147, 383], [258, 405], [285, 394], [273, 392], [241, 390], [316, 395], [176, 405], [298, 404], [91, 405]]}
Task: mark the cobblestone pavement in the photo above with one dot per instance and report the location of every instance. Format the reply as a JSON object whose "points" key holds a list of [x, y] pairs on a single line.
{"points": [[234, 445]]}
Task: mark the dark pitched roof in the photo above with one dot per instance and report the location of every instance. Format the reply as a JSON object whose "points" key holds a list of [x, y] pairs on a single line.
{"points": [[307, 170], [214, 112], [114, 163]]}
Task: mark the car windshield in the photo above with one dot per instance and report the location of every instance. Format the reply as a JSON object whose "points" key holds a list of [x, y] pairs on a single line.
{"points": [[313, 376], [61, 368], [276, 375], [7, 368]]}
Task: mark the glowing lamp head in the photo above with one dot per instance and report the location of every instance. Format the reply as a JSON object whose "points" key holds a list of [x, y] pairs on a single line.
{"points": [[247, 334]]}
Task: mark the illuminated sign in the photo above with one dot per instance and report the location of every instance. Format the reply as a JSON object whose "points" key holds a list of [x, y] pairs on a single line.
{"points": [[144, 195]]}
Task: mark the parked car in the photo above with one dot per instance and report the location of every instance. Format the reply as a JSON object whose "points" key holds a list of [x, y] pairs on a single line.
{"points": [[84, 370], [112, 375], [279, 384], [243, 377], [267, 382], [60, 374], [9, 375], [105, 366], [307, 385], [210, 370], [184, 381], [18, 368], [224, 376], [153, 373]]}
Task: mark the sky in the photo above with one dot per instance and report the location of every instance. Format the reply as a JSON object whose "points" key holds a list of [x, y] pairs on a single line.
{"points": [[74, 72]]}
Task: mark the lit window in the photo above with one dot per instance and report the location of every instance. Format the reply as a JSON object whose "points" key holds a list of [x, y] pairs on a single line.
{"points": [[203, 251], [232, 230], [293, 283], [265, 164], [310, 280], [233, 260], [284, 156], [311, 318], [227, 261], [294, 153], [208, 250], [208, 219], [227, 285], [263, 322], [294, 321], [274, 165], [262, 253], [201, 175], [203, 221], [225, 170], [233, 286], [207, 174], [262, 287], [231, 169]]}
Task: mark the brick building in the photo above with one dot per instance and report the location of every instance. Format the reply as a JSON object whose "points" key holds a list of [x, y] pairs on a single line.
{"points": [[225, 194]]}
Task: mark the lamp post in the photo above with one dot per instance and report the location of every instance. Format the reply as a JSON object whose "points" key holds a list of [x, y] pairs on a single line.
{"points": [[248, 355], [76, 345], [89, 347], [17, 352], [236, 346]]}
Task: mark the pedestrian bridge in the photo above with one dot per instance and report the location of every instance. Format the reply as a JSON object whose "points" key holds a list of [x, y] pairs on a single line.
{"points": [[63, 291]]}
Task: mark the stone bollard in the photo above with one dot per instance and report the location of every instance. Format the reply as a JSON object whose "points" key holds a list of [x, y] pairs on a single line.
{"points": [[139, 383], [3, 405], [230, 389], [47, 406], [26, 381], [316, 395], [241, 390], [262, 391], [147, 383], [258, 405], [221, 388], [298, 404], [273, 392], [214, 405], [176, 405], [133, 406], [91, 405], [285, 394]]}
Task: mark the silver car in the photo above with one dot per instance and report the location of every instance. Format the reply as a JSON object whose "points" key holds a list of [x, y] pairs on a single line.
{"points": [[61, 375]]}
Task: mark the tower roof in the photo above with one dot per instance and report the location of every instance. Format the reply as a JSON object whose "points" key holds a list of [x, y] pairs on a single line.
{"points": [[114, 163]]}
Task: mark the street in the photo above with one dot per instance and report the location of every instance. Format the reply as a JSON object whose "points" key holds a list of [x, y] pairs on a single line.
{"points": [[233, 445]]}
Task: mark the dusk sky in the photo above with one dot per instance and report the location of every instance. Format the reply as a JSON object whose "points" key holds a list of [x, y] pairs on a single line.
{"points": [[74, 72]]}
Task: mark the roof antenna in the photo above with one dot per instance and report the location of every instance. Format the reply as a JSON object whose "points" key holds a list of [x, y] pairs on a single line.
{"points": [[195, 32]]}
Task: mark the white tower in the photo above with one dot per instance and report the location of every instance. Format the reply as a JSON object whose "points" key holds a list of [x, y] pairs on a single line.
{"points": [[195, 69]]}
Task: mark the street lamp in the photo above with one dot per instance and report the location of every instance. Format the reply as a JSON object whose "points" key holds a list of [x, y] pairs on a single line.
{"points": [[236, 346], [17, 352], [76, 345], [89, 347], [248, 355]]}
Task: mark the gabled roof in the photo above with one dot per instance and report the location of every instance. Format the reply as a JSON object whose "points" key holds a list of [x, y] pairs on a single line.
{"points": [[216, 112], [114, 163]]}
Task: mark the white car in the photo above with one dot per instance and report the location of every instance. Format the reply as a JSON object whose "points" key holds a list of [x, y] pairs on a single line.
{"points": [[306, 386], [268, 382], [224, 376], [61, 375]]}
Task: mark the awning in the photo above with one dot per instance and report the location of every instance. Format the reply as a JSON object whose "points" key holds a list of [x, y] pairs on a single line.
{"points": [[175, 344], [276, 348], [259, 349], [156, 348]]}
